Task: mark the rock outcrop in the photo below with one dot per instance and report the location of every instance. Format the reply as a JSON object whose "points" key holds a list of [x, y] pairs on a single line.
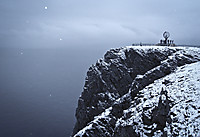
{"points": [[117, 100]]}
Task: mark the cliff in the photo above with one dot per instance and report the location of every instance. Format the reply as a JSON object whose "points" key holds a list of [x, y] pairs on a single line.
{"points": [[141, 91]]}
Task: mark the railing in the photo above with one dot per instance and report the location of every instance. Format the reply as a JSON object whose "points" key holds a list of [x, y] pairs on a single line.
{"points": [[143, 44], [150, 44]]}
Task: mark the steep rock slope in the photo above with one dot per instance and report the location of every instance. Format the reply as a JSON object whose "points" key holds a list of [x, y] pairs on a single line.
{"points": [[168, 107], [114, 84]]}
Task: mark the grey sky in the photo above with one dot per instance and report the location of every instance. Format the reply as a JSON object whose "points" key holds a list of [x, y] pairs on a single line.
{"points": [[108, 23]]}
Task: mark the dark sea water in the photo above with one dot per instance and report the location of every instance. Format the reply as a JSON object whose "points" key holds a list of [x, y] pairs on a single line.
{"points": [[39, 89]]}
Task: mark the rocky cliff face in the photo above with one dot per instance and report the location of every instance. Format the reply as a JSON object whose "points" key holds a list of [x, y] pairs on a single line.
{"points": [[121, 98]]}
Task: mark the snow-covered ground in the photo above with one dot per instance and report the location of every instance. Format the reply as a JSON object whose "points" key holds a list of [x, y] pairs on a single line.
{"points": [[183, 90]]}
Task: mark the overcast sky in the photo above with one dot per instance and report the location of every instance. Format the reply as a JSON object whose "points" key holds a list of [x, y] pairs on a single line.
{"points": [[92, 23]]}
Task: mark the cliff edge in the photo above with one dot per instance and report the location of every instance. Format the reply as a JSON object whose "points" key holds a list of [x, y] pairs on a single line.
{"points": [[141, 91]]}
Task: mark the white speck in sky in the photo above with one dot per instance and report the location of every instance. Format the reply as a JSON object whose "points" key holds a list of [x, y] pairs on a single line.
{"points": [[61, 39], [45, 7], [50, 95], [21, 53]]}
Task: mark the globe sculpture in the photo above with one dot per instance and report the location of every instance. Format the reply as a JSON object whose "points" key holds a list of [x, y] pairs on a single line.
{"points": [[166, 41], [166, 35]]}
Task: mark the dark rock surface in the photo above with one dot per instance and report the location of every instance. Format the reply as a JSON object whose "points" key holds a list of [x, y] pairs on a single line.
{"points": [[114, 83]]}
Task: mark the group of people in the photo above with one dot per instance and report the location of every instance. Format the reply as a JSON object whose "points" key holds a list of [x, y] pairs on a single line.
{"points": [[167, 42]]}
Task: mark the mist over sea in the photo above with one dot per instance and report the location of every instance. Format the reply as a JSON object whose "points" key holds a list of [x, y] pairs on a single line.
{"points": [[39, 89]]}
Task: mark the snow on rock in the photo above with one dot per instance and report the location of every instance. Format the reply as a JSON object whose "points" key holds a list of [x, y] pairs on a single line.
{"points": [[141, 91], [181, 115]]}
